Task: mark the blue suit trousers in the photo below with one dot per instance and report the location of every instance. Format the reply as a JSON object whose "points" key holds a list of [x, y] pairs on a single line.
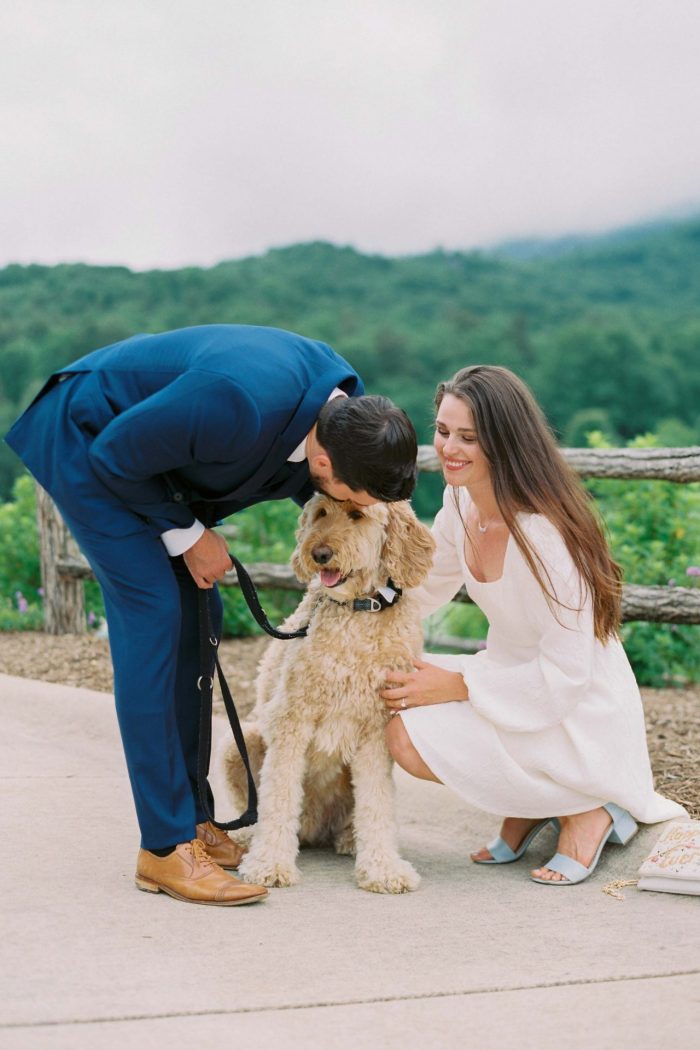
{"points": [[151, 607]]}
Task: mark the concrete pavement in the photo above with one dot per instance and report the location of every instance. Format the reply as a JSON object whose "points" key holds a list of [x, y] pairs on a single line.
{"points": [[477, 955]]}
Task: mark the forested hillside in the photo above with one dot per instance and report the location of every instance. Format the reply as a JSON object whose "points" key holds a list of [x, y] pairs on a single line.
{"points": [[607, 334]]}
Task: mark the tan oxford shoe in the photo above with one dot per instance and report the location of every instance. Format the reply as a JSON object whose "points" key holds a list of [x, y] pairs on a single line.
{"points": [[222, 849], [189, 874]]}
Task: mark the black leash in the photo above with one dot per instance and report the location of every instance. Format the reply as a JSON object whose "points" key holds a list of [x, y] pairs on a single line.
{"points": [[209, 660]]}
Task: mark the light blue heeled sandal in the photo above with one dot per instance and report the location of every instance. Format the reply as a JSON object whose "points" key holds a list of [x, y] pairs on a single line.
{"points": [[623, 828], [500, 851]]}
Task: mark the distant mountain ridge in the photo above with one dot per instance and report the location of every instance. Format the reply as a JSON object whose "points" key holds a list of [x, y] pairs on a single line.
{"points": [[526, 248], [606, 330]]}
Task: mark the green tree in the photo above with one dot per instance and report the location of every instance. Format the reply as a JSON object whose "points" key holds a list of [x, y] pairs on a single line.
{"points": [[607, 368], [16, 369]]}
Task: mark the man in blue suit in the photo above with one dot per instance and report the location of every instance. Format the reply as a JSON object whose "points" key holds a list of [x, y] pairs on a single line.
{"points": [[144, 445]]}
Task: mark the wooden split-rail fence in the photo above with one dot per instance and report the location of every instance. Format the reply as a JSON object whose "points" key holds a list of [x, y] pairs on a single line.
{"points": [[64, 569]]}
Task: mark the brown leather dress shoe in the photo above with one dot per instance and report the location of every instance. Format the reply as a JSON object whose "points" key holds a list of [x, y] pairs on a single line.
{"points": [[222, 849], [189, 874]]}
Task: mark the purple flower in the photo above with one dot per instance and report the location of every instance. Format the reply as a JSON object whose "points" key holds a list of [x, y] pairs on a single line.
{"points": [[693, 570], [92, 619], [22, 604], [672, 583], [40, 592]]}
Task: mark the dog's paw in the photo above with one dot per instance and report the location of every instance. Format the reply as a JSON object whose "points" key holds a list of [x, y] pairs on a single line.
{"points": [[397, 877], [266, 874], [344, 843]]}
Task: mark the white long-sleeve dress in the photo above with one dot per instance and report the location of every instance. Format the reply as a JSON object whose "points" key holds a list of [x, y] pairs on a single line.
{"points": [[554, 723]]}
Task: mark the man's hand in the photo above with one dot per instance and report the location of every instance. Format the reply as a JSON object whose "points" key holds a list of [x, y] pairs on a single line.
{"points": [[208, 559]]}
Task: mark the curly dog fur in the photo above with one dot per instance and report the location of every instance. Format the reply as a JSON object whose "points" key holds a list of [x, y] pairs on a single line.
{"points": [[316, 735]]}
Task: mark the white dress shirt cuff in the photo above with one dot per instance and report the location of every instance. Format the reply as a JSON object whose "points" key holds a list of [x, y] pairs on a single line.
{"points": [[177, 541]]}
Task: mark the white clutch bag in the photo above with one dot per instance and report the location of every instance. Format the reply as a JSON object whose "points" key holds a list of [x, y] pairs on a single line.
{"points": [[673, 866]]}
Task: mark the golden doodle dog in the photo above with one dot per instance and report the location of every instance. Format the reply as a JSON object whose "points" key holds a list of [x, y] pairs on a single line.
{"points": [[316, 735]]}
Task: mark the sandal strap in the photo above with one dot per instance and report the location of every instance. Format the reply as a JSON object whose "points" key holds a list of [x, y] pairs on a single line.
{"points": [[568, 867], [500, 851]]}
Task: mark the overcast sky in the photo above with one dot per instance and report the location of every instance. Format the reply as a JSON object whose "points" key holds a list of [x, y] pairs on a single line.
{"points": [[161, 133]]}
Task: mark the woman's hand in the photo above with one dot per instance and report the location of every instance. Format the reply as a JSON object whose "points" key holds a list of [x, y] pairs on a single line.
{"points": [[428, 684]]}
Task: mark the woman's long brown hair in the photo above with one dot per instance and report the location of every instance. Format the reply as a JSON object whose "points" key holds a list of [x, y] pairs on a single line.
{"points": [[529, 473]]}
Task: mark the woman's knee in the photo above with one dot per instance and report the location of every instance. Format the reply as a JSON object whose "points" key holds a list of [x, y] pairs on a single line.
{"points": [[399, 743], [404, 753]]}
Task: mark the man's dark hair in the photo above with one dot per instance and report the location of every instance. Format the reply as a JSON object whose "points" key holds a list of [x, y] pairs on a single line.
{"points": [[371, 444]]}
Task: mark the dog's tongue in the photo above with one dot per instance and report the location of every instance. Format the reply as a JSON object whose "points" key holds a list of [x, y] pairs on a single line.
{"points": [[329, 577]]}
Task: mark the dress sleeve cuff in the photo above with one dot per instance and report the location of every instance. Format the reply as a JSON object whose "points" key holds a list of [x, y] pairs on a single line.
{"points": [[177, 541]]}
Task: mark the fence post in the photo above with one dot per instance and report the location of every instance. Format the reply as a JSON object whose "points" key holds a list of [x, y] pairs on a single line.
{"points": [[64, 604]]}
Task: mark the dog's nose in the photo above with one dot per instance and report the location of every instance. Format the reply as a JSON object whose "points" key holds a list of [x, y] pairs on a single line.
{"points": [[322, 555]]}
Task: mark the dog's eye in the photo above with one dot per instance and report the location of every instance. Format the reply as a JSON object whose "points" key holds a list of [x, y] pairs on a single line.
{"points": [[355, 515], [320, 514]]}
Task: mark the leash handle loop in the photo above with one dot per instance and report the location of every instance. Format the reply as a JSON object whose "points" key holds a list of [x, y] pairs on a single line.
{"points": [[209, 662]]}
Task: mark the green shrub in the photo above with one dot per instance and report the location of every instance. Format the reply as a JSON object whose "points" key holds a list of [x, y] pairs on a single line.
{"points": [[14, 616], [654, 531], [583, 422], [20, 576]]}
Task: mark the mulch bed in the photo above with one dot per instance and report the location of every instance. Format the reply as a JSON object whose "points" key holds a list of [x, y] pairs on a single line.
{"points": [[672, 715]]}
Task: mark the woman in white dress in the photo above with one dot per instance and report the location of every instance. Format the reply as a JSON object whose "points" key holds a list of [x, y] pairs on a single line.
{"points": [[546, 723]]}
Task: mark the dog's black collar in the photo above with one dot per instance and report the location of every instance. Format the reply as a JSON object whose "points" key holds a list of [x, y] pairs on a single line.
{"points": [[382, 599]]}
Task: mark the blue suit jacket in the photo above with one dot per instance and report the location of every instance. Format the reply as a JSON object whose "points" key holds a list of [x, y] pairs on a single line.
{"points": [[194, 422]]}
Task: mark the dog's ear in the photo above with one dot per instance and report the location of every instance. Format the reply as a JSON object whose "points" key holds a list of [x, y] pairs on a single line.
{"points": [[299, 568], [408, 547]]}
